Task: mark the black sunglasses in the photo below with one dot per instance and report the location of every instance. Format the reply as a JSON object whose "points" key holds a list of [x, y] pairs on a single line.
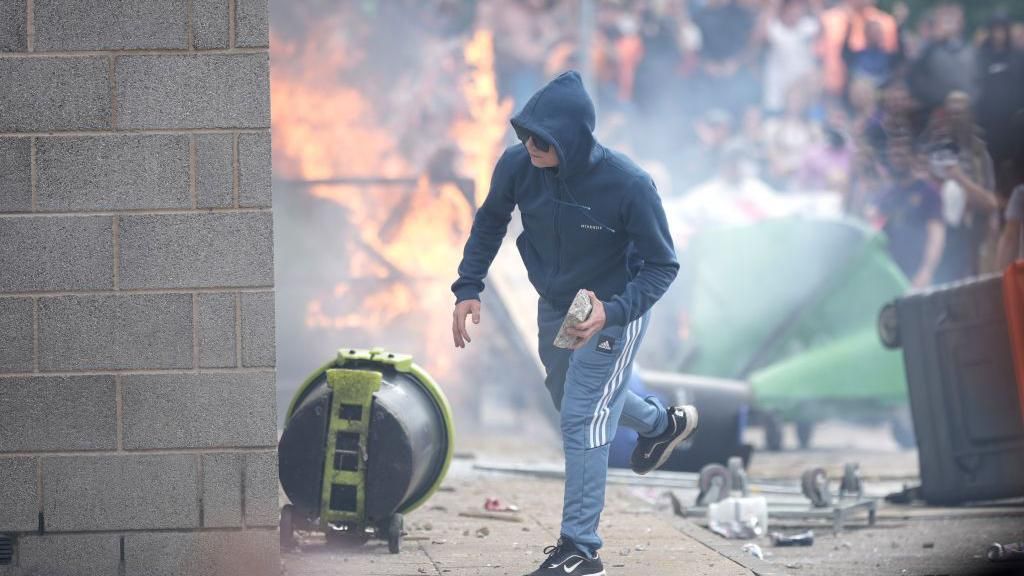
{"points": [[538, 142]]}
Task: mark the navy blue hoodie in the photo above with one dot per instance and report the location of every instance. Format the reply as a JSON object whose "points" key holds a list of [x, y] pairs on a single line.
{"points": [[595, 221]]}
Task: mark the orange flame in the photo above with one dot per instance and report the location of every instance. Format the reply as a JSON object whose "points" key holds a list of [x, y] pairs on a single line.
{"points": [[409, 237]]}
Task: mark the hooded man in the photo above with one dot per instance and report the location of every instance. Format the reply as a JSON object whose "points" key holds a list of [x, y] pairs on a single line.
{"points": [[592, 220]]}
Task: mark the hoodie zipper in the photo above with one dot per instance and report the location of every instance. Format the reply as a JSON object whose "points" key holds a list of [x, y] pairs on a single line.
{"points": [[558, 237]]}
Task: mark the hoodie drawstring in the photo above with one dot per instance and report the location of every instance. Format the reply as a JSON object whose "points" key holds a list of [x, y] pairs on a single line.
{"points": [[576, 204]]}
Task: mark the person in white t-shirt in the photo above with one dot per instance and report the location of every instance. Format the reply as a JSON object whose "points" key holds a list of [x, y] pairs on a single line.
{"points": [[789, 34]]}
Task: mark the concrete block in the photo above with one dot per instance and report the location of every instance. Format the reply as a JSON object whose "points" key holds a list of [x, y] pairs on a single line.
{"points": [[133, 331], [215, 553], [113, 172], [254, 165], [217, 339], [67, 554], [261, 489], [121, 492], [20, 509], [16, 330], [13, 26], [258, 329], [214, 171], [58, 413], [211, 250], [62, 25], [219, 410], [56, 253], [252, 28], [193, 91], [15, 173], [222, 490], [210, 24], [43, 94]]}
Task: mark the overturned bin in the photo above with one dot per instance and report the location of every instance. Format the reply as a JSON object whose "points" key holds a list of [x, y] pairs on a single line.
{"points": [[368, 437]]}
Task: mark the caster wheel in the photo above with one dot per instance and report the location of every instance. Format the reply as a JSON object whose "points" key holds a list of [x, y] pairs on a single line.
{"points": [[395, 526], [889, 326], [715, 483], [287, 527], [814, 485]]}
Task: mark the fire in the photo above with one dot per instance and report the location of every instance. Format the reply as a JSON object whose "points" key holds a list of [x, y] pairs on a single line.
{"points": [[480, 133], [402, 241]]}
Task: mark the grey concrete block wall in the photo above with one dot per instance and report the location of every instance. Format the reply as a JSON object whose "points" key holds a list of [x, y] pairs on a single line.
{"points": [[13, 36], [258, 329], [18, 493], [193, 91], [65, 253], [16, 318], [136, 491], [199, 410], [220, 553], [137, 384], [89, 25], [254, 170], [252, 27], [214, 170], [55, 94], [15, 174], [58, 413], [222, 489], [66, 555], [112, 172], [130, 331], [209, 250], [216, 331]]}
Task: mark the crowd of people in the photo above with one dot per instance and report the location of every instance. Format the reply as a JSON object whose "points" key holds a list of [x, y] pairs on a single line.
{"points": [[905, 120]]}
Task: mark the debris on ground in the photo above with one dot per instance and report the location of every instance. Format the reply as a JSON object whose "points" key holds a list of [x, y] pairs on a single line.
{"points": [[483, 532], [495, 505], [744, 517], [754, 550], [503, 516], [801, 539], [1006, 552]]}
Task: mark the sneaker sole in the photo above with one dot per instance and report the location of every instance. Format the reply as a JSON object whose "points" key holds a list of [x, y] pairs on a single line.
{"points": [[692, 419]]}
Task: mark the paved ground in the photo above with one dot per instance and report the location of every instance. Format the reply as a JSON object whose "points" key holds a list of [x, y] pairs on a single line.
{"points": [[643, 536], [441, 542]]}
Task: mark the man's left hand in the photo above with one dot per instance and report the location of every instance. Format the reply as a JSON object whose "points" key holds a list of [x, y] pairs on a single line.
{"points": [[592, 325]]}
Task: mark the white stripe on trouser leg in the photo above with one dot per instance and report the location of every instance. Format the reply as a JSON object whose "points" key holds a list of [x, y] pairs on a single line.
{"points": [[620, 365], [595, 418], [592, 436], [600, 413], [627, 354]]}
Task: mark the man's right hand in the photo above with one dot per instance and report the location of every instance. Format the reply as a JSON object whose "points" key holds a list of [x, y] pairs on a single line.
{"points": [[463, 309]]}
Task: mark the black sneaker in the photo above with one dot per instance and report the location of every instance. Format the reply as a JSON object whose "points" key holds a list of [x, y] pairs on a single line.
{"points": [[651, 453], [565, 560]]}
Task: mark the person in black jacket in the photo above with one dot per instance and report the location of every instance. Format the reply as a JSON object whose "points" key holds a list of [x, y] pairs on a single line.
{"points": [[592, 220]]}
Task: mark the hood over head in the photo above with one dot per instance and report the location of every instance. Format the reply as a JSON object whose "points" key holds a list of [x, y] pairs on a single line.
{"points": [[563, 114]]}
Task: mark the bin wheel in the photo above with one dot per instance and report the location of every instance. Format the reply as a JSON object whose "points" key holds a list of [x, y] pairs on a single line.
{"points": [[287, 527], [715, 484], [805, 433], [889, 326], [395, 526], [772, 432], [814, 485]]}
